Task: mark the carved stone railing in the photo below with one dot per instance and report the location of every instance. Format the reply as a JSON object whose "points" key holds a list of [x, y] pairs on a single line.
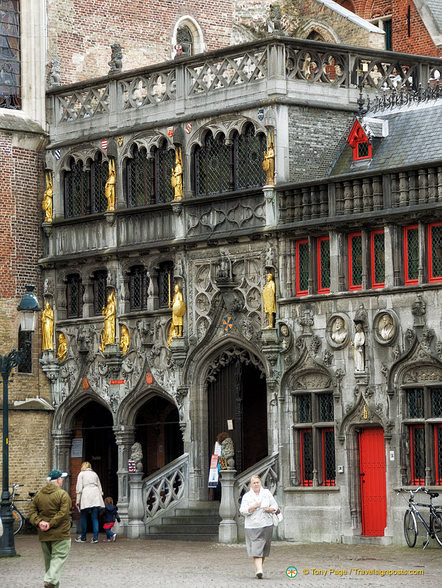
{"points": [[246, 73], [267, 469], [166, 488]]}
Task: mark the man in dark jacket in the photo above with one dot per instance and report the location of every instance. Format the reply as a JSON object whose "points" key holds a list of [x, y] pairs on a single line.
{"points": [[50, 513]]}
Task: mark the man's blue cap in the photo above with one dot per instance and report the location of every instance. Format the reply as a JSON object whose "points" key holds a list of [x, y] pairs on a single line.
{"points": [[55, 474]]}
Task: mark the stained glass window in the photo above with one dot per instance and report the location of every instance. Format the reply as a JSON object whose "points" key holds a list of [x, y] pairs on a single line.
{"points": [[10, 70]]}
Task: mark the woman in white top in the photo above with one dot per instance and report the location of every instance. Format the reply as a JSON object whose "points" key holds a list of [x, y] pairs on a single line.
{"points": [[89, 500], [257, 506]]}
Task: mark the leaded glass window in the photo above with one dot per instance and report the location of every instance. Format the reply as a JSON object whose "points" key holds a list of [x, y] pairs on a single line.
{"points": [[323, 261], [248, 157], [164, 163], [99, 282], [10, 66], [411, 246], [74, 296], [99, 175], [438, 446], [302, 267], [165, 284], [326, 408], [138, 288], [355, 261], [417, 438], [304, 407], [84, 187], [25, 343], [213, 166], [328, 456], [377, 259], [306, 437], [140, 188], [415, 403], [436, 402], [435, 251]]}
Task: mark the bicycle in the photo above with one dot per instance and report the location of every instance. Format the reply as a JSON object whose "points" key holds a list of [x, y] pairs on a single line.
{"points": [[434, 525], [18, 518]]}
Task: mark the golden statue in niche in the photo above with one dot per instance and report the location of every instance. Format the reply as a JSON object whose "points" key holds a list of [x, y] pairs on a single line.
{"points": [[109, 189], [47, 328], [177, 175], [47, 198], [124, 339], [62, 347], [269, 297], [109, 312], [268, 165], [178, 312]]}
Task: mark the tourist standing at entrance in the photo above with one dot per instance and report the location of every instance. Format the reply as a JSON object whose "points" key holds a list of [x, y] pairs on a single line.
{"points": [[50, 512], [257, 506], [110, 514], [89, 500]]}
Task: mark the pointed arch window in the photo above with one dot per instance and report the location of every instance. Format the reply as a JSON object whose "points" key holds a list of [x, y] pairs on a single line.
{"points": [[213, 169], [248, 155], [359, 142], [84, 187], [184, 41]]}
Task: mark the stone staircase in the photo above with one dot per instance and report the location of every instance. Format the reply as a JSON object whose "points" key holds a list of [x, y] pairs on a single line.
{"points": [[198, 523]]}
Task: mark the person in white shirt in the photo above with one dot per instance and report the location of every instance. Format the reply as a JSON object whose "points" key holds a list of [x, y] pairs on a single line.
{"points": [[257, 506]]}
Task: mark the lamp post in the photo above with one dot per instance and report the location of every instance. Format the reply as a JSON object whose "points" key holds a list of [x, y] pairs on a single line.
{"points": [[28, 307]]}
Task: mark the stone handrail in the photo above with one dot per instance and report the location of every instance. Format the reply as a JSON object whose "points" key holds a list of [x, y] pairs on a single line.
{"points": [[166, 488], [267, 469]]}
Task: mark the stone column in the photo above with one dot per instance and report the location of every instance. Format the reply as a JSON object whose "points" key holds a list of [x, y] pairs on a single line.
{"points": [[228, 531], [136, 527], [124, 439]]}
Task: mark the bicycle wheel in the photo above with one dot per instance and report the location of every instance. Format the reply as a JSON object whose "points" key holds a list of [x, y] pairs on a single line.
{"points": [[17, 520], [436, 525], [410, 528]]}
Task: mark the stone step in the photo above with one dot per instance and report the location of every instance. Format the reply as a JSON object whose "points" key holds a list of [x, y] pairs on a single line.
{"points": [[184, 529], [189, 537], [194, 520]]}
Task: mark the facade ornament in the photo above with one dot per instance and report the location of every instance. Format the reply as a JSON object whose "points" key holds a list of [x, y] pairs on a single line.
{"points": [[307, 321], [386, 328], [54, 74], [274, 22], [268, 165], [47, 324], [124, 339], [270, 257], [109, 189], [361, 315], [419, 309], [48, 198], [269, 298], [315, 345], [228, 452], [116, 62], [62, 347], [359, 348], [177, 175], [178, 312], [109, 312], [338, 332], [136, 456]]}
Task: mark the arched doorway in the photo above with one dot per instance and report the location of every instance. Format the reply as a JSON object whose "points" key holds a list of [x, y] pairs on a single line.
{"points": [[94, 441], [237, 398], [157, 429]]}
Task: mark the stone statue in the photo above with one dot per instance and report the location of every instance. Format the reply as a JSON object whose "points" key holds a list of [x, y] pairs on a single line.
{"points": [[109, 312], [178, 312], [136, 455], [109, 189], [62, 347], [338, 330], [47, 198], [359, 348], [116, 62], [124, 339], [228, 452], [386, 328], [47, 325], [268, 165], [54, 74], [269, 297], [177, 175]]}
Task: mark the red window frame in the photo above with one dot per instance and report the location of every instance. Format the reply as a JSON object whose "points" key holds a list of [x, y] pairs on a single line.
{"points": [[431, 277], [357, 137], [414, 481], [321, 289], [325, 481], [299, 292], [375, 284], [407, 280], [437, 471], [302, 432], [352, 286]]}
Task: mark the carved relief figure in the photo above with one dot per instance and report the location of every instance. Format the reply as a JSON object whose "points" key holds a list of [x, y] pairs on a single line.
{"points": [[268, 165], [136, 455], [178, 312], [109, 312], [62, 347], [124, 339], [47, 325], [47, 198], [109, 189], [359, 348], [269, 297], [338, 330], [177, 175], [386, 328], [228, 452]]}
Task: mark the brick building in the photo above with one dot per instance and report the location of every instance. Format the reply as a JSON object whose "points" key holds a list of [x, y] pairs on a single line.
{"points": [[207, 95]]}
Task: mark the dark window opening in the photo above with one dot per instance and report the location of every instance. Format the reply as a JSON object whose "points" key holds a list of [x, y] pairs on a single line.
{"points": [[165, 284], [25, 343], [99, 282], [184, 41], [74, 296], [138, 283]]}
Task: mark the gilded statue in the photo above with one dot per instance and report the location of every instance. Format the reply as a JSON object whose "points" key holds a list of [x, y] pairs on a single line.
{"points": [[62, 347], [269, 297], [178, 312], [47, 198], [47, 328], [268, 165], [124, 339], [109, 312], [109, 189], [177, 175]]}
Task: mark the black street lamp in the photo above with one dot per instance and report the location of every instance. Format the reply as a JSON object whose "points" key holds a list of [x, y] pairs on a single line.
{"points": [[28, 307]]}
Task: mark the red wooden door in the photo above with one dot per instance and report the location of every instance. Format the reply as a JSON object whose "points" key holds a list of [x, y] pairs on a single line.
{"points": [[373, 491]]}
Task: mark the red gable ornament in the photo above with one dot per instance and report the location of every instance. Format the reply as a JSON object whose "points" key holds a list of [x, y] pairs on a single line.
{"points": [[359, 142]]}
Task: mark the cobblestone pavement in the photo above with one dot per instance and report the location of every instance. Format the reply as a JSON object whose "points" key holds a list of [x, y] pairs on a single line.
{"points": [[212, 565]]}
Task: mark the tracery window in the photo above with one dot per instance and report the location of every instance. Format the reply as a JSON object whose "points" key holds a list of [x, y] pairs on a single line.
{"points": [[84, 187], [138, 284], [10, 59], [74, 296], [315, 438], [148, 175], [99, 283]]}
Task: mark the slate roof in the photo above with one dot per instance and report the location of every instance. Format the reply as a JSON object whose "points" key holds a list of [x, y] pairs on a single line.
{"points": [[431, 13], [414, 137], [435, 7]]}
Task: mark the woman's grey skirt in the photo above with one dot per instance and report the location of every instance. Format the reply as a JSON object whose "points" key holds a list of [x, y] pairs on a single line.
{"points": [[258, 541]]}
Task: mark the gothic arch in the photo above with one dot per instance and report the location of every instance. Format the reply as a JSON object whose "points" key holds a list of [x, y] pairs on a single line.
{"points": [[198, 44], [65, 413], [327, 33], [146, 142], [226, 127], [131, 404]]}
